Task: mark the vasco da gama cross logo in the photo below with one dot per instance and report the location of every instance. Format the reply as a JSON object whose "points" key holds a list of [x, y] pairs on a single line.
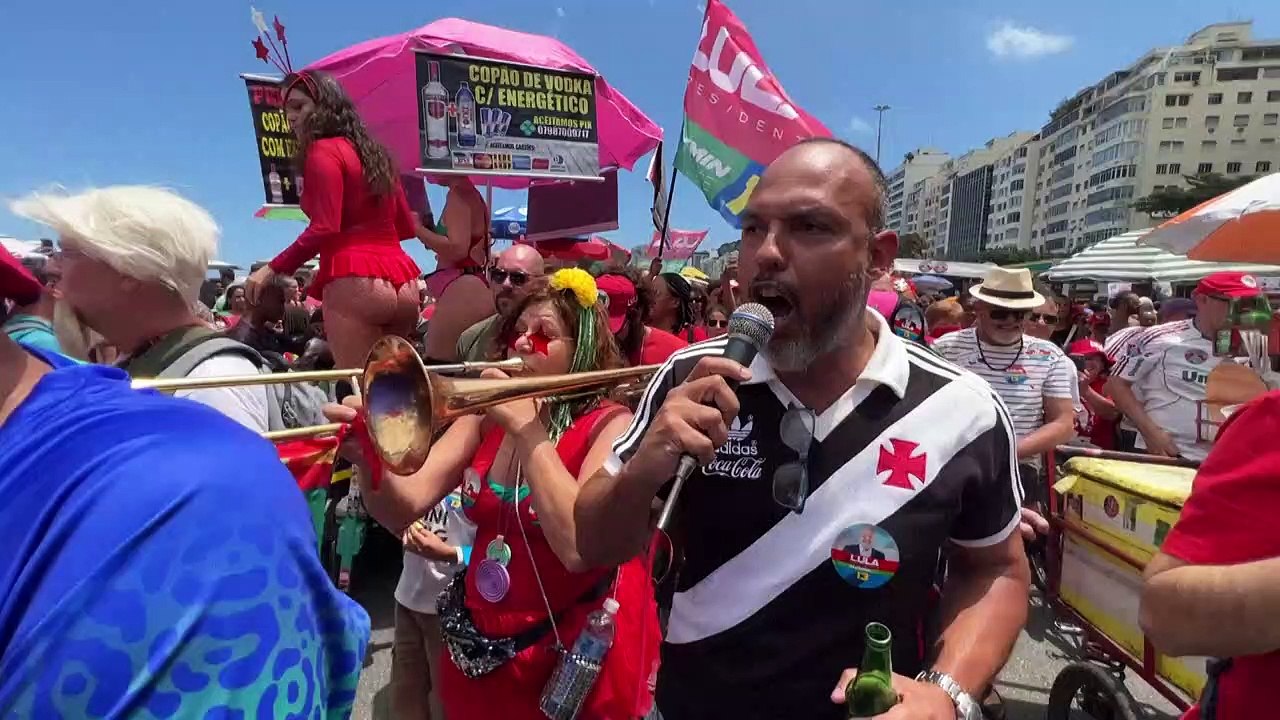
{"points": [[900, 461]]}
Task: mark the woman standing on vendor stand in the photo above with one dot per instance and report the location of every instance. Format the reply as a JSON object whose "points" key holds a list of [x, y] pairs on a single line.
{"points": [[358, 217], [461, 244]]}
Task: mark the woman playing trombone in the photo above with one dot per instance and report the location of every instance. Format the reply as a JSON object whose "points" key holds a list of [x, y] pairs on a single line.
{"points": [[527, 590]]}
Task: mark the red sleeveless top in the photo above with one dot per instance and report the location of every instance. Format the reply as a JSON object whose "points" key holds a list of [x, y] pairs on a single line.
{"points": [[624, 688]]}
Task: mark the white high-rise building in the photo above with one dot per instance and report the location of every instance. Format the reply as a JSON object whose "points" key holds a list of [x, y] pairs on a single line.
{"points": [[1211, 104], [955, 202], [1013, 184], [899, 210]]}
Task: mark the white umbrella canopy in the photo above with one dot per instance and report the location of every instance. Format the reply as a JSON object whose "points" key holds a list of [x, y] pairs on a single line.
{"points": [[1242, 225], [1124, 259]]}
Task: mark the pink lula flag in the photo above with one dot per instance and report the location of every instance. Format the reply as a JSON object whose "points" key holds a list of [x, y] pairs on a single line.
{"points": [[737, 116], [681, 244]]}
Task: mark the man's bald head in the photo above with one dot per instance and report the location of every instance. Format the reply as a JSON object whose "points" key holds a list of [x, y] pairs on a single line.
{"points": [[811, 246], [516, 271], [878, 180], [521, 257]]}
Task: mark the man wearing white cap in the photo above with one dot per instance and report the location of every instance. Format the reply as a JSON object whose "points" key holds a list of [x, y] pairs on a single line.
{"points": [[1033, 376]]}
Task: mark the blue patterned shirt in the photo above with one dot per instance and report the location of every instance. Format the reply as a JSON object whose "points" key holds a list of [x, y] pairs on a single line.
{"points": [[159, 562]]}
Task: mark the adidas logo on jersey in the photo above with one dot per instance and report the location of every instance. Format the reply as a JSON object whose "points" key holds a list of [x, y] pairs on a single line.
{"points": [[739, 431]]}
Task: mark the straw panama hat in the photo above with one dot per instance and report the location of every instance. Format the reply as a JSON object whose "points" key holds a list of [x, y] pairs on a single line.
{"points": [[1008, 288]]}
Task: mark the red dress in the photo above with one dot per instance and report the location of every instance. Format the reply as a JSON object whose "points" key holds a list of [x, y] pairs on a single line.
{"points": [[512, 691], [356, 233]]}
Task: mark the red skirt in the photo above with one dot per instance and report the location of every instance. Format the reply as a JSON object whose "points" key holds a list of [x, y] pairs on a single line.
{"points": [[384, 262]]}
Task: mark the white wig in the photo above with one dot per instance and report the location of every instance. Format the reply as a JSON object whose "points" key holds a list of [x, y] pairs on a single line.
{"points": [[146, 233]]}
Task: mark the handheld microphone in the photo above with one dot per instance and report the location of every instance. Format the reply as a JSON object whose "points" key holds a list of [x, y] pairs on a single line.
{"points": [[750, 327]]}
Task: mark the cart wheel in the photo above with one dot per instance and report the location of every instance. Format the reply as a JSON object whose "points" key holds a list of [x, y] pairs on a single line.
{"points": [[1093, 690]]}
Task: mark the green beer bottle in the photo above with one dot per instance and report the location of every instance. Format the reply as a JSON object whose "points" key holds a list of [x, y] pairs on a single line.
{"points": [[871, 692]]}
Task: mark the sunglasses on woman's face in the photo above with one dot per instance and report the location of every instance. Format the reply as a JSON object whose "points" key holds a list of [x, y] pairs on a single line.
{"points": [[497, 276], [1046, 318], [1002, 314], [717, 323]]}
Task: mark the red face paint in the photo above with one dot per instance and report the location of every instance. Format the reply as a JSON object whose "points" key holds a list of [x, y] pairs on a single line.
{"points": [[538, 342]]}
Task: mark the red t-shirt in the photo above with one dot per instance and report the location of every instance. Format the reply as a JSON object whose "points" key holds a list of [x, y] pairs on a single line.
{"points": [[657, 347], [1099, 430], [1230, 519]]}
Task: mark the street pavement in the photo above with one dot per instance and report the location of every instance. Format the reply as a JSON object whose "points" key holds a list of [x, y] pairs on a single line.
{"points": [[1042, 652]]}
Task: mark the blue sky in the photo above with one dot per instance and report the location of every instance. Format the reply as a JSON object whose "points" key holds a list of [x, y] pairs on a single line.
{"points": [[98, 93]]}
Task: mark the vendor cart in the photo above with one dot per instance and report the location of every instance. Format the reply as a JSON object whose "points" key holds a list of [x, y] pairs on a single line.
{"points": [[1108, 513]]}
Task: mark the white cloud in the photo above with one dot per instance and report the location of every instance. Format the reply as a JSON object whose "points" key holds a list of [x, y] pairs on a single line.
{"points": [[702, 8], [559, 12], [1023, 41], [858, 126]]}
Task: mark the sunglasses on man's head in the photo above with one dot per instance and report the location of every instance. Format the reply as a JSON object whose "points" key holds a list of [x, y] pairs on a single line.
{"points": [[1046, 318], [998, 314], [498, 276]]}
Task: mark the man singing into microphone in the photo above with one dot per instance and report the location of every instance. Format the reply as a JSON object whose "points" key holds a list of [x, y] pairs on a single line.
{"points": [[839, 430]]}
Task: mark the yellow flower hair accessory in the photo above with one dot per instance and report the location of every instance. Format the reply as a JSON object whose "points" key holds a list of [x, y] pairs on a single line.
{"points": [[579, 282]]}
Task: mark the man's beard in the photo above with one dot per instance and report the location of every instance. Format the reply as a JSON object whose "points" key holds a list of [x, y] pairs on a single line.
{"points": [[72, 333], [834, 325]]}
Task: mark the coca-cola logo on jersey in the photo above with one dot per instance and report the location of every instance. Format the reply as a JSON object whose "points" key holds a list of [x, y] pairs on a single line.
{"points": [[739, 458]]}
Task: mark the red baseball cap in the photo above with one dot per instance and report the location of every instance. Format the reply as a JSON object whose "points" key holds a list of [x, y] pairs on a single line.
{"points": [[1086, 346], [16, 281], [622, 296], [1229, 285]]}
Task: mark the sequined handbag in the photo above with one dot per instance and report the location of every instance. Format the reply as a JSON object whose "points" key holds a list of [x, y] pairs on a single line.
{"points": [[473, 653]]}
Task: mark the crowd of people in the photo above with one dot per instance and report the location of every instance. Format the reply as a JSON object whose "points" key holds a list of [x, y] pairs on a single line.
{"points": [[878, 461]]}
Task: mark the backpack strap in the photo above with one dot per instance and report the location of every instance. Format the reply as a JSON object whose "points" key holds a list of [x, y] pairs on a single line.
{"points": [[213, 345], [205, 348], [161, 353]]}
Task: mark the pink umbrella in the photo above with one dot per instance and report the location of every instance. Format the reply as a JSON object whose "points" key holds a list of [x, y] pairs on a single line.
{"points": [[380, 75]]}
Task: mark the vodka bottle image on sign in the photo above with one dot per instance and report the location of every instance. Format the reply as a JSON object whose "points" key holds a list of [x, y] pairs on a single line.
{"points": [[435, 124], [466, 116], [277, 189]]}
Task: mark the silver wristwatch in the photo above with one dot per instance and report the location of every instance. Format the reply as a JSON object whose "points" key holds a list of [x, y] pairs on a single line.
{"points": [[966, 707]]}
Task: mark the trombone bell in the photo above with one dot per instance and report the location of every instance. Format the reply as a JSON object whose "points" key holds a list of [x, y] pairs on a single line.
{"points": [[407, 406]]}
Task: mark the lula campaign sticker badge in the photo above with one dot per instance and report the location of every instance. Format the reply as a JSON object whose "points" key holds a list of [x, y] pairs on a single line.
{"points": [[865, 556]]}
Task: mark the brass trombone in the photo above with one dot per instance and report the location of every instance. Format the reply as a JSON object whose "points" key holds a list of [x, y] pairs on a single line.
{"points": [[408, 403], [408, 406], [353, 374]]}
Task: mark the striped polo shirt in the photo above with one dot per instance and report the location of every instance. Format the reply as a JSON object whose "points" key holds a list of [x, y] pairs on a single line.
{"points": [[1023, 375]]}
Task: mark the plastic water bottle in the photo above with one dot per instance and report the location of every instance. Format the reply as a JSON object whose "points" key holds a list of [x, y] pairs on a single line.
{"points": [[576, 673]]}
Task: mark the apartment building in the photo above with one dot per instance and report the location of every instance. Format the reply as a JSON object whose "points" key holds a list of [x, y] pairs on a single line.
{"points": [[954, 204], [1211, 104], [901, 204], [1013, 185]]}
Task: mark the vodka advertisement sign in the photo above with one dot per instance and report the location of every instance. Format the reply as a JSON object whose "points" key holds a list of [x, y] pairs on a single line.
{"points": [[281, 184], [483, 116]]}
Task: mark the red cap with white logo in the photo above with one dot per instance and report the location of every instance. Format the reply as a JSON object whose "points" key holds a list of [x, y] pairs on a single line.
{"points": [[1229, 285]]}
